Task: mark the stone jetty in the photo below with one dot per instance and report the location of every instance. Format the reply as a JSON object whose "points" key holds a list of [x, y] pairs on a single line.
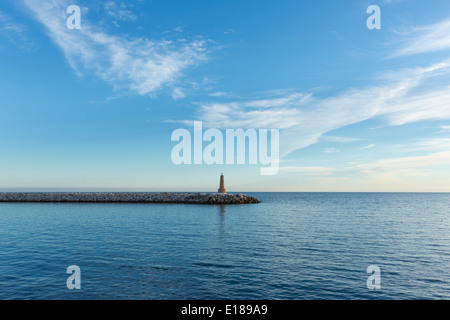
{"points": [[131, 197]]}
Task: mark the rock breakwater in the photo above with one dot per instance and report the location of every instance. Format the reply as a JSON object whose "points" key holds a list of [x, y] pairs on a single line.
{"points": [[130, 197]]}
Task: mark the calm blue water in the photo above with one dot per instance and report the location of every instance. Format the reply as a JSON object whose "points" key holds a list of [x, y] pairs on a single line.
{"points": [[291, 246]]}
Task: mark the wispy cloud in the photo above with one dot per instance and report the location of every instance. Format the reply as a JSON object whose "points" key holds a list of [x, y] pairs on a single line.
{"points": [[370, 146], [178, 94], [119, 11], [389, 2], [14, 32], [425, 39], [404, 97], [331, 150], [143, 66], [218, 94], [7, 25], [444, 129], [407, 171], [424, 145], [402, 163]]}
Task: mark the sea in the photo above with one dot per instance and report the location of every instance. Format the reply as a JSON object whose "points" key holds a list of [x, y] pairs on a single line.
{"points": [[291, 246]]}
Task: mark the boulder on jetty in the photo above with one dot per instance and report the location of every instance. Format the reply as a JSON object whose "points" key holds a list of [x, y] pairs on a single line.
{"points": [[131, 197]]}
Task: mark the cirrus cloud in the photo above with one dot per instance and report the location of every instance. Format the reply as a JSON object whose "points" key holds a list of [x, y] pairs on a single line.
{"points": [[141, 65], [405, 96]]}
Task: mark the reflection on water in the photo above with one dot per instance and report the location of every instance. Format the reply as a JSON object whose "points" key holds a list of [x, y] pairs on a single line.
{"points": [[222, 211]]}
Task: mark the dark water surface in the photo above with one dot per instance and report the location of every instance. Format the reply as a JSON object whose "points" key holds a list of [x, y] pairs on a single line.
{"points": [[291, 246]]}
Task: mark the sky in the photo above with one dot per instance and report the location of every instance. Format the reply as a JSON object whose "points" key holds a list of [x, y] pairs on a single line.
{"points": [[94, 109]]}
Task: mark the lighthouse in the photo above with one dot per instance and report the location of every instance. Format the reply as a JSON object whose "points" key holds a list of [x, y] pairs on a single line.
{"points": [[222, 185]]}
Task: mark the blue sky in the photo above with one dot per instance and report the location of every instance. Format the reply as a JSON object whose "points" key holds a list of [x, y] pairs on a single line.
{"points": [[94, 109]]}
